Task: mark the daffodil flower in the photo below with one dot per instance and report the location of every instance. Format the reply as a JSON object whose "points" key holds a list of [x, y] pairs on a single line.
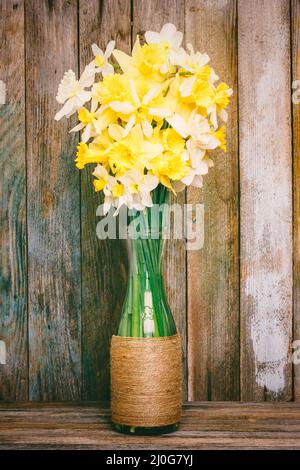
{"points": [[220, 102], [94, 121], [168, 34], [139, 186], [140, 110], [149, 61], [72, 93], [101, 58]]}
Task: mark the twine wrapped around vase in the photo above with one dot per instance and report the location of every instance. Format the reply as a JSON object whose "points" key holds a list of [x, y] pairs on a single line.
{"points": [[146, 379]]}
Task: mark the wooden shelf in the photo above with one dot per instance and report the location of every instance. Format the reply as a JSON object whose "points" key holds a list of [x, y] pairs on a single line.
{"points": [[204, 425]]}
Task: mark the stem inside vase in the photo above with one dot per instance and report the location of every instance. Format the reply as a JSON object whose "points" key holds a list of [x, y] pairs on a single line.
{"points": [[146, 311]]}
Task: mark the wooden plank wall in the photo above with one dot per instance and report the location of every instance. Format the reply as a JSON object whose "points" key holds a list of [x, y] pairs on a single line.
{"points": [[236, 301]]}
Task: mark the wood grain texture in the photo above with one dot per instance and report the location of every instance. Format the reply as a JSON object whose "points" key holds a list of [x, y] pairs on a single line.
{"points": [[53, 206], [204, 426], [152, 16], [213, 274], [295, 35], [266, 199], [103, 261], [13, 281]]}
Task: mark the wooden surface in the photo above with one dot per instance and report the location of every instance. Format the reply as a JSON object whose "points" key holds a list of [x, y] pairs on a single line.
{"points": [[61, 289], [204, 425], [13, 275], [104, 262], [53, 211], [266, 199], [295, 15], [213, 293]]}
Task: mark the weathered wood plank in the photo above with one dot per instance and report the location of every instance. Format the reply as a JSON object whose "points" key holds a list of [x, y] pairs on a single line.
{"points": [[266, 199], [213, 277], [295, 25], [13, 309], [204, 426], [53, 206], [152, 16], [103, 261]]}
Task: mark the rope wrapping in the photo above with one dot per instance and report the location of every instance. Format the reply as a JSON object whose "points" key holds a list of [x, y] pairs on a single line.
{"points": [[146, 381]]}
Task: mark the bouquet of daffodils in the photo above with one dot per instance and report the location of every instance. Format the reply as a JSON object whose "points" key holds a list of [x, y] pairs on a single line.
{"points": [[146, 119]]}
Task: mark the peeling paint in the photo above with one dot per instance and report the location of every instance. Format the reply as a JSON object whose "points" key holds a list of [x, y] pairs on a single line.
{"points": [[2, 353], [2, 92]]}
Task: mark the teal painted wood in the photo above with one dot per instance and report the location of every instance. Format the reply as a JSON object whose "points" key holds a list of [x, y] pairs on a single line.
{"points": [[53, 206], [103, 261], [13, 311]]}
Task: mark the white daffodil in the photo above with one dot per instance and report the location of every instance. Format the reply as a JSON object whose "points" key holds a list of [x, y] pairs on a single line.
{"points": [[94, 121], [139, 187], [168, 34], [101, 58], [199, 133], [72, 93], [140, 110]]}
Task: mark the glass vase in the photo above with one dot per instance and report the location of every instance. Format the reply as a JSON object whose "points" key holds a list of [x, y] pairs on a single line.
{"points": [[146, 312]]}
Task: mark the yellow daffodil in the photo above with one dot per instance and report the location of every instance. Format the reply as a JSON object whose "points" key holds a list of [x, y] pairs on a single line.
{"points": [[86, 155]]}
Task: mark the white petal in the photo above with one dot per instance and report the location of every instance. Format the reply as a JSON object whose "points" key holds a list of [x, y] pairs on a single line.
{"points": [[107, 69], [100, 172], [88, 76], [213, 117], [122, 107], [134, 93], [109, 48], [152, 37], [146, 199], [152, 93], [147, 129], [151, 182], [129, 125], [96, 50], [68, 108], [66, 86], [86, 133], [180, 126], [83, 96], [77, 128], [186, 86], [159, 112], [223, 115], [169, 33]]}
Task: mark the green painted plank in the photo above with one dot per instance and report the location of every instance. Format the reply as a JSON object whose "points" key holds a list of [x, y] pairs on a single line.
{"points": [[13, 311]]}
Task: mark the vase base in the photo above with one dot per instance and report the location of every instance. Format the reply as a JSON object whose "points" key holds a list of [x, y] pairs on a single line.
{"points": [[142, 431]]}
